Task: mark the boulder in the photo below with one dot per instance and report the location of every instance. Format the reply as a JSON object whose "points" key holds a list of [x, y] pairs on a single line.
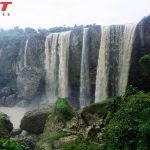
{"points": [[34, 121], [5, 125]]}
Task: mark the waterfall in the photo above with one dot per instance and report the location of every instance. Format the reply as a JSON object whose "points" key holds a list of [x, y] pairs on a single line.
{"points": [[51, 66], [25, 53], [84, 76], [114, 60], [102, 68], [112, 69], [56, 65], [125, 56], [115, 47], [63, 65]]}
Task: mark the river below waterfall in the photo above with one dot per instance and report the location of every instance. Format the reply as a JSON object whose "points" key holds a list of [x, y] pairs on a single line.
{"points": [[15, 114]]}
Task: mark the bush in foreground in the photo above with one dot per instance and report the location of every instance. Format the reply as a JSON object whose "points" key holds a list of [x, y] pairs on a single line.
{"points": [[81, 145], [129, 126], [8, 144], [63, 110]]}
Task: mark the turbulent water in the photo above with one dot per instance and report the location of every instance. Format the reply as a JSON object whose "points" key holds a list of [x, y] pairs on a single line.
{"points": [[56, 65], [84, 77], [15, 114], [114, 60]]}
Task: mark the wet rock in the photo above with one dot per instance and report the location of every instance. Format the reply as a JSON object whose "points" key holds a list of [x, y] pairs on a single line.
{"points": [[15, 132], [34, 121], [5, 125]]}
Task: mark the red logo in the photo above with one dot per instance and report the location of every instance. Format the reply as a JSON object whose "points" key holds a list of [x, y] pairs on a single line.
{"points": [[5, 5]]}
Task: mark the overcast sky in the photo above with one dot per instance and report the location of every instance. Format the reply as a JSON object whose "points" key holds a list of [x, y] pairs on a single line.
{"points": [[50, 13]]}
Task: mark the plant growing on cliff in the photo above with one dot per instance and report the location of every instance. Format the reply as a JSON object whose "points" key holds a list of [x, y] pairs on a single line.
{"points": [[63, 110]]}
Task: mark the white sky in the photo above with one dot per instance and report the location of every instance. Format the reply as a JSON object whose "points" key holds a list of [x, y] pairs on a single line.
{"points": [[50, 13]]}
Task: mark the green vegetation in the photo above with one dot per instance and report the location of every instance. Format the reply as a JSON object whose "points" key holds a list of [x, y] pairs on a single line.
{"points": [[9, 144], [63, 110], [129, 125], [81, 145]]}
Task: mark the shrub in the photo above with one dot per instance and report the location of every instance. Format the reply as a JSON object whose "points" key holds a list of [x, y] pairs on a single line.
{"points": [[9, 144], [116, 102], [129, 127], [81, 145], [63, 110]]}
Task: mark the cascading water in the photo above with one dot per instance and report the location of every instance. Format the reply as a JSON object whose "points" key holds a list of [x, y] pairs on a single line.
{"points": [[125, 57], [102, 68], [51, 66], [22, 63], [112, 70], [114, 60], [115, 47], [56, 65], [63, 64], [84, 76], [25, 53]]}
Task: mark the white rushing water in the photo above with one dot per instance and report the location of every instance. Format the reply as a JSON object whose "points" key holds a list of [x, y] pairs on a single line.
{"points": [[125, 57], [25, 53], [102, 68], [112, 69], [114, 60], [63, 65], [56, 65], [15, 114], [51, 66], [84, 75]]}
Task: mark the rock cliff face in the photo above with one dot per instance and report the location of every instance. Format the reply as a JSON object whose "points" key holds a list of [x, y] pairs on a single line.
{"points": [[141, 46], [22, 68], [22, 63], [30, 69]]}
